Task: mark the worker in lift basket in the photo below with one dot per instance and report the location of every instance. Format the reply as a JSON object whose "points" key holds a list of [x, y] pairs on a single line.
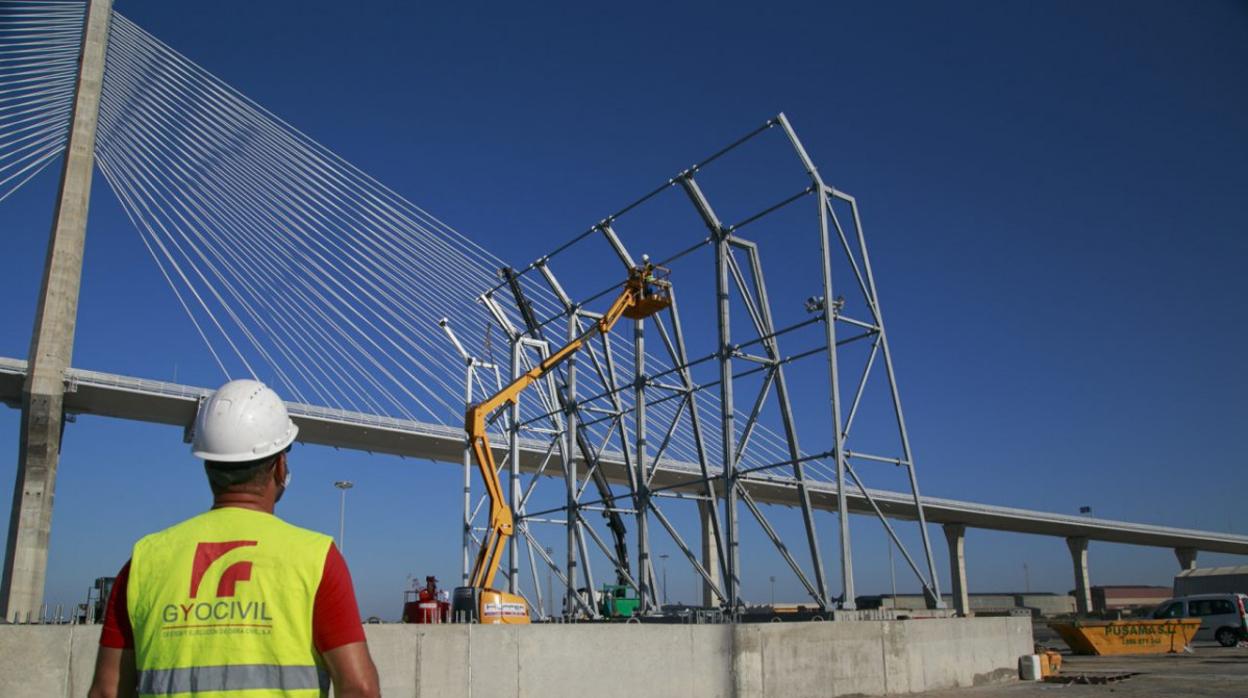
{"points": [[235, 600]]}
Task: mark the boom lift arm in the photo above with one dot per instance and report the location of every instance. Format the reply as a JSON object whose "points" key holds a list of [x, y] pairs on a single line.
{"points": [[644, 294], [610, 513]]}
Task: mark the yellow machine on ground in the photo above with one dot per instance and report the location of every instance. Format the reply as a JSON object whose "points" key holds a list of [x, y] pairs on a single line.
{"points": [[645, 293]]}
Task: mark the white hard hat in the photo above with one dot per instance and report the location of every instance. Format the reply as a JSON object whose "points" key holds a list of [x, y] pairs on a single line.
{"points": [[244, 420]]}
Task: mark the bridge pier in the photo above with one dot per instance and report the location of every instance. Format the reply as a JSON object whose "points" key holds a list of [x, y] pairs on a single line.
{"points": [[1187, 558], [1079, 556], [956, 535], [710, 553], [52, 342]]}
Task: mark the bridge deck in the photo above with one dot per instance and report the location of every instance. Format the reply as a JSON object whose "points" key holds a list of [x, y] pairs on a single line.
{"points": [[111, 395]]}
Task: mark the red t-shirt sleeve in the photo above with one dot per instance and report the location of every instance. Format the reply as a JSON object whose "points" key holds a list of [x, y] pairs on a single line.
{"points": [[117, 632], [335, 615]]}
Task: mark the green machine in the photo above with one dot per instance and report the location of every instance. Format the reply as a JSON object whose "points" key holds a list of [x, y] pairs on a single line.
{"points": [[615, 601]]}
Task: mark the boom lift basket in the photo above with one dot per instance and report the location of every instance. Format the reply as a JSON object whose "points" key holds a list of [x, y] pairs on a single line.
{"points": [[654, 291]]}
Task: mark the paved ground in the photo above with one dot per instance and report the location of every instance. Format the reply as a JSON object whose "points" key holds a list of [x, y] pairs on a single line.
{"points": [[1209, 670]]}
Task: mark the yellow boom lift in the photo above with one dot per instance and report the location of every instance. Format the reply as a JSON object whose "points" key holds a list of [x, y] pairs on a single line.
{"points": [[645, 293]]}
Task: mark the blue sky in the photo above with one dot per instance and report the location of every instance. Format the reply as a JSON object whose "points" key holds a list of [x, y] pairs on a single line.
{"points": [[1053, 195]]}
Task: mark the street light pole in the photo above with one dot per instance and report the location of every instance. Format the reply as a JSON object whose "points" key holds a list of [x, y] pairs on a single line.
{"points": [[773, 592], [342, 485]]}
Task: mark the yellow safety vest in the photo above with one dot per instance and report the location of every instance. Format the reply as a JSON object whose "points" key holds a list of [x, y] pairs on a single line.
{"points": [[221, 605]]}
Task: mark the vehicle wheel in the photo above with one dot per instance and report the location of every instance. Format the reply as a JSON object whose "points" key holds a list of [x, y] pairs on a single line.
{"points": [[1226, 637]]}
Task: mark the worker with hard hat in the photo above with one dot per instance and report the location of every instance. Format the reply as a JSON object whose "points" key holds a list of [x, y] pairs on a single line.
{"points": [[236, 601]]}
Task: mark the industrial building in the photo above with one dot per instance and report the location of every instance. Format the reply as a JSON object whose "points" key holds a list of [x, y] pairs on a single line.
{"points": [[1109, 598], [1212, 580]]}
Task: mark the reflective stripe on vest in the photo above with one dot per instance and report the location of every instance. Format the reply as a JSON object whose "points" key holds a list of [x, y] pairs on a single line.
{"points": [[232, 677], [223, 602]]}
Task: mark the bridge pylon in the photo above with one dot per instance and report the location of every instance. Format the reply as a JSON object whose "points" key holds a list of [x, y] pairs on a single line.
{"points": [[52, 342]]}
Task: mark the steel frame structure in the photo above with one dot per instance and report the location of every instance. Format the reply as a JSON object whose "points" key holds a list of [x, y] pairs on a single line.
{"points": [[659, 397]]}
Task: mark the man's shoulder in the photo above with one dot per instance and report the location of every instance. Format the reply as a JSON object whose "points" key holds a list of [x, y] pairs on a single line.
{"points": [[306, 535], [176, 528], [215, 520]]}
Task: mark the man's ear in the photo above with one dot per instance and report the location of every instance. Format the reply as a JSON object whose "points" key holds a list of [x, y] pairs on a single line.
{"points": [[279, 470]]}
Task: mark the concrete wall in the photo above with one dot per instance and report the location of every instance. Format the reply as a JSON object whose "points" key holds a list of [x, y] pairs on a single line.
{"points": [[1047, 604], [978, 602], [991, 602], [908, 601], [765, 659]]}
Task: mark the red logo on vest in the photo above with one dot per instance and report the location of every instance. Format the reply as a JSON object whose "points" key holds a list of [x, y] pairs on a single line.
{"points": [[208, 553]]}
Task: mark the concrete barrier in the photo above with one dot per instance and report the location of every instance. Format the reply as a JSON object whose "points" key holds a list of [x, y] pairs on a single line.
{"points": [[765, 659]]}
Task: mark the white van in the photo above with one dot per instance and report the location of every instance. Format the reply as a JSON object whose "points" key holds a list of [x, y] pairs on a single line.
{"points": [[1223, 617]]}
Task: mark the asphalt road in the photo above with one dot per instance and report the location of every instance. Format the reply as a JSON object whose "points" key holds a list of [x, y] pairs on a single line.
{"points": [[1209, 670]]}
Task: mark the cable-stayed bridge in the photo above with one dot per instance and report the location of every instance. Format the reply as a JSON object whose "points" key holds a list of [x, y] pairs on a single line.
{"points": [[379, 320], [123, 397]]}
